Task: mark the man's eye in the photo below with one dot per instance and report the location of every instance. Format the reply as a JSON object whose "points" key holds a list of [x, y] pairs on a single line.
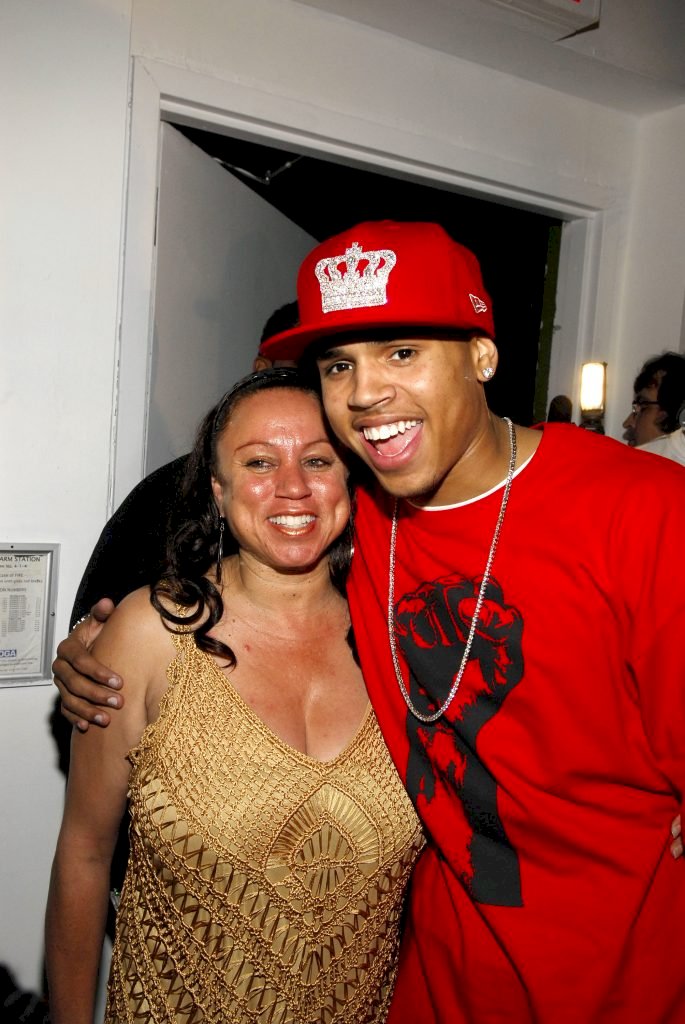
{"points": [[401, 354], [340, 366]]}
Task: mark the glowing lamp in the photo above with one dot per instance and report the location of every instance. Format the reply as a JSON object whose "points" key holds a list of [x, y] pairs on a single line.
{"points": [[593, 384]]}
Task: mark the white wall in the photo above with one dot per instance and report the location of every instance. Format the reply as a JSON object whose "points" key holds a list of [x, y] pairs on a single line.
{"points": [[63, 71], [63, 170], [649, 303]]}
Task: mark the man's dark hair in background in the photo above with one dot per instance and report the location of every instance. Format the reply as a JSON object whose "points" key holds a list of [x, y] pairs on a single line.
{"points": [[671, 389], [560, 409], [658, 393]]}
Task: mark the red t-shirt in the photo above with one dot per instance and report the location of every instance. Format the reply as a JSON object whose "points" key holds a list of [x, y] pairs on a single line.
{"points": [[547, 893]]}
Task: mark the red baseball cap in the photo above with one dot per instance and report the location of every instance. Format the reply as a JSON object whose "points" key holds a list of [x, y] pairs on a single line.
{"points": [[385, 274]]}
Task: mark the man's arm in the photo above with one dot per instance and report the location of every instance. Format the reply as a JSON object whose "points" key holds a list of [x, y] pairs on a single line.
{"points": [[86, 685], [650, 526]]}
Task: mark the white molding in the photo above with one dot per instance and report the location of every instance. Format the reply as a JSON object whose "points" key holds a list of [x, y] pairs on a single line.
{"points": [[164, 92], [138, 280], [247, 111], [576, 305]]}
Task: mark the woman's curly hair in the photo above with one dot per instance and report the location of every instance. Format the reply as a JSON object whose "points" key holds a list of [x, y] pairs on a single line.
{"points": [[194, 536]]}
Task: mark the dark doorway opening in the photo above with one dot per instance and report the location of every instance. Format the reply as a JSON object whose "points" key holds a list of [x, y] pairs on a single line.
{"points": [[517, 249]]}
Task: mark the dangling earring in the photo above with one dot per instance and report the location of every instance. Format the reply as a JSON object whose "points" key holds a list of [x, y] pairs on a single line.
{"points": [[489, 372], [220, 548]]}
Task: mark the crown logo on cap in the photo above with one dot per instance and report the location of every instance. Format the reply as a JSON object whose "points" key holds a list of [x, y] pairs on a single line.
{"points": [[357, 287]]}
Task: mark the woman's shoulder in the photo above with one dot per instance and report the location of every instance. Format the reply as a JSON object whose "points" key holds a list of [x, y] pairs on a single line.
{"points": [[135, 610], [136, 624]]}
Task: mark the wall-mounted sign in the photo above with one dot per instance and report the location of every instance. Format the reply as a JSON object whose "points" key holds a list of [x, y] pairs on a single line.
{"points": [[28, 584]]}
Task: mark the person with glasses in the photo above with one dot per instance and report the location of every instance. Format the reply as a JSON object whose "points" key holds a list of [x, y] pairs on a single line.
{"points": [[659, 391]]}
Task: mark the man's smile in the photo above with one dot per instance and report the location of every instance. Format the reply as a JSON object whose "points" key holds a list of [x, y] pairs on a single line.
{"points": [[389, 441], [387, 430]]}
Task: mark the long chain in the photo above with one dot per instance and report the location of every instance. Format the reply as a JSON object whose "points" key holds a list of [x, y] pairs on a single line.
{"points": [[479, 603]]}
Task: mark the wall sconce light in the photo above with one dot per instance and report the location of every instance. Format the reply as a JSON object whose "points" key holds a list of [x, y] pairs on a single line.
{"points": [[593, 387]]}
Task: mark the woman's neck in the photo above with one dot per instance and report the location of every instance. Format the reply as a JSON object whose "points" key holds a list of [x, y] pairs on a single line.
{"points": [[278, 594]]}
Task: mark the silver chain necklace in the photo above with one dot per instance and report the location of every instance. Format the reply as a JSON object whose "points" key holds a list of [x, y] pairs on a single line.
{"points": [[479, 603]]}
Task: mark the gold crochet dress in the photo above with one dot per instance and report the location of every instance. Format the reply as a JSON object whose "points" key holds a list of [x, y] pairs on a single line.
{"points": [[263, 886]]}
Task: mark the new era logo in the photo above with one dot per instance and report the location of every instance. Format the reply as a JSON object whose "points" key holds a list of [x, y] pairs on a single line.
{"points": [[478, 304]]}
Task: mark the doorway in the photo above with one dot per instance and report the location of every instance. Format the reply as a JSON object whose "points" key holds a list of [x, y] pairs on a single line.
{"points": [[518, 249], [161, 93], [225, 260]]}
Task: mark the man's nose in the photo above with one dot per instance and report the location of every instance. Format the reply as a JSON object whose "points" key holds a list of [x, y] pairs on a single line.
{"points": [[370, 387]]}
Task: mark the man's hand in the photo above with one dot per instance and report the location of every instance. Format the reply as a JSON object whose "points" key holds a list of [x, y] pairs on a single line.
{"points": [[676, 832], [84, 684]]}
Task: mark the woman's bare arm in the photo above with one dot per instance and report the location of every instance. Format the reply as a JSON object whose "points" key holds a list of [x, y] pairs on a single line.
{"points": [[135, 643]]}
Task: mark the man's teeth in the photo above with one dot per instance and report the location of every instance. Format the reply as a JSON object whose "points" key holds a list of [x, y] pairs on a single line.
{"points": [[291, 522], [387, 430]]}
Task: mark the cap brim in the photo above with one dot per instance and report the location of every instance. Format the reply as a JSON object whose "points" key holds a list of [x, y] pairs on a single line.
{"points": [[293, 344]]}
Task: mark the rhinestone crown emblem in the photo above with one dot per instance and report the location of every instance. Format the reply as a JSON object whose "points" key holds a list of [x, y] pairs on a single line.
{"points": [[358, 286]]}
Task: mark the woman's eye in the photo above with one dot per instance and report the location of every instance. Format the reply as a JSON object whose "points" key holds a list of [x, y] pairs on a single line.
{"points": [[258, 464], [317, 462]]}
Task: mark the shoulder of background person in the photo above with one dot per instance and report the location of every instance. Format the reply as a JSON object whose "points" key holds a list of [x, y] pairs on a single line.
{"points": [[670, 446], [161, 483], [657, 445], [131, 548]]}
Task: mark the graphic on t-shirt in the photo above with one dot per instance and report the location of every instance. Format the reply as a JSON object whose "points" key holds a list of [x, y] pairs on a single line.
{"points": [[432, 626]]}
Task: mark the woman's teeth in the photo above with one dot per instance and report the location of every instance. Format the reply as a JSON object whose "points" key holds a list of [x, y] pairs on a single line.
{"points": [[291, 522]]}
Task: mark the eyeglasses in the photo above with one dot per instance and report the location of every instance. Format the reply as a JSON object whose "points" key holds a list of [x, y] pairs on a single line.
{"points": [[637, 407]]}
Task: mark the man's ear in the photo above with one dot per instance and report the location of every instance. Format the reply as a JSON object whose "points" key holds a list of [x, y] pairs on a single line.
{"points": [[261, 363], [485, 357]]}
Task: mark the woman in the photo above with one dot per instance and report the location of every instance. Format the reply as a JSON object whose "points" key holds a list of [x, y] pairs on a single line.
{"points": [[271, 839]]}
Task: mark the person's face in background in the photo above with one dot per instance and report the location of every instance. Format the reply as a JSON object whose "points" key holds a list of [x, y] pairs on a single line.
{"points": [[644, 423]]}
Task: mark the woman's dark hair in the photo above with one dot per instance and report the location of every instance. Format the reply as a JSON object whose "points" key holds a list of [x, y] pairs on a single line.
{"points": [[194, 536]]}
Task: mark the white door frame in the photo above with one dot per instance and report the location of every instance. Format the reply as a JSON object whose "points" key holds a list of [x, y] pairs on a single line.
{"points": [[163, 92]]}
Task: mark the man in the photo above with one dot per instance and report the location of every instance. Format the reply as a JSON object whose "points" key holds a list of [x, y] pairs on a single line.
{"points": [[659, 394], [518, 631]]}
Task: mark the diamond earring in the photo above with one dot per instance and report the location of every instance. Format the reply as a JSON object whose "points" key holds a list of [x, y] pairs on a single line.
{"points": [[488, 372]]}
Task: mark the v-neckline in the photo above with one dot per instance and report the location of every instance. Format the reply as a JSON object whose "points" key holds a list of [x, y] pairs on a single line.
{"points": [[277, 740]]}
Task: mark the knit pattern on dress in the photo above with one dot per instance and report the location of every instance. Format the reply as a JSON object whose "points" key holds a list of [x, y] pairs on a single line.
{"points": [[263, 886]]}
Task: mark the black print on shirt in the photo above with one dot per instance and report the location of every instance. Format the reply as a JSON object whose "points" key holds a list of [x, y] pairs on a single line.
{"points": [[432, 626]]}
